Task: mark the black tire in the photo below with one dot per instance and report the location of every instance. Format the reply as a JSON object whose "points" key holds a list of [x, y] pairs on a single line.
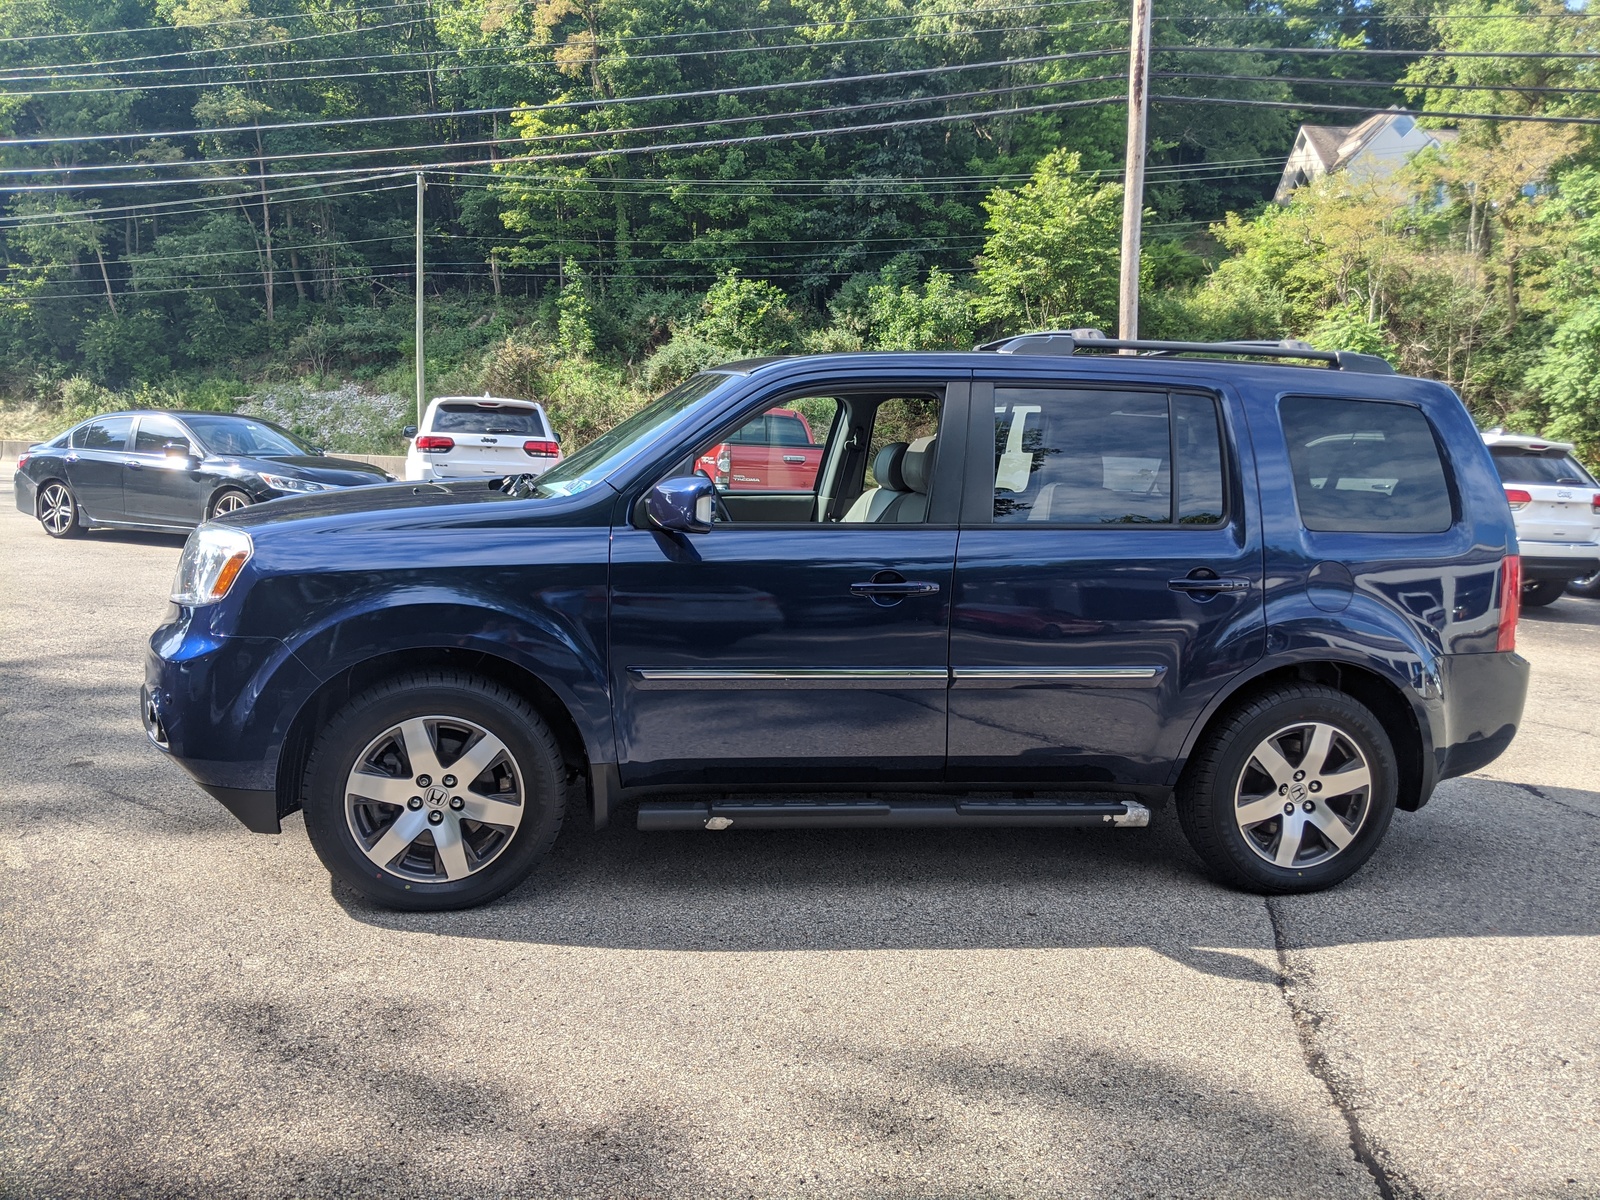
{"points": [[1542, 591], [57, 509], [530, 749], [1215, 778], [1588, 587], [228, 500]]}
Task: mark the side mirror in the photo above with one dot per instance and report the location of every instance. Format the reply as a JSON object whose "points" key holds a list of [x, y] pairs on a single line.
{"points": [[318, 451], [684, 504], [409, 432], [177, 448]]}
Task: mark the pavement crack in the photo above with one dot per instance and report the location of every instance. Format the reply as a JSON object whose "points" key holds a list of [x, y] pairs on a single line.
{"points": [[1305, 1026]]}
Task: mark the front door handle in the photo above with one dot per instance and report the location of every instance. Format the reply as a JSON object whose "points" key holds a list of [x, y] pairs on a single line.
{"points": [[1208, 587], [133, 464], [903, 587]]}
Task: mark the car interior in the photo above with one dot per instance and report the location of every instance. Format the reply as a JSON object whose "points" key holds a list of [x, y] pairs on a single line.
{"points": [[878, 451]]}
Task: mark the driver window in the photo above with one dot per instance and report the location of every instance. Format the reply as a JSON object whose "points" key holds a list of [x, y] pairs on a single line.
{"points": [[846, 460]]}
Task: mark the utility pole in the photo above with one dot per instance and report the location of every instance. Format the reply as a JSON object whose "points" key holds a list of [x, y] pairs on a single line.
{"points": [[422, 366], [1133, 185]]}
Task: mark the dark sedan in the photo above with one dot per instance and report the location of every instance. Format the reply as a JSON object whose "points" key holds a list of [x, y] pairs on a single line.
{"points": [[171, 470]]}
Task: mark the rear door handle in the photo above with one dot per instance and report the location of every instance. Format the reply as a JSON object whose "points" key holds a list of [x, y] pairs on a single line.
{"points": [[902, 587], [1208, 587], [133, 464]]}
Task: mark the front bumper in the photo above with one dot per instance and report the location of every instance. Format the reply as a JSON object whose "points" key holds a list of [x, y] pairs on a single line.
{"points": [[222, 708]]}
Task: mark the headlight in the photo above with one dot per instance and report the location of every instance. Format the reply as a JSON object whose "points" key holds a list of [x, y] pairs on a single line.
{"points": [[211, 561], [282, 483]]}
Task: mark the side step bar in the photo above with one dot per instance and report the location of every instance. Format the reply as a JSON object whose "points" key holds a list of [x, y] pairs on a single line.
{"points": [[661, 815]]}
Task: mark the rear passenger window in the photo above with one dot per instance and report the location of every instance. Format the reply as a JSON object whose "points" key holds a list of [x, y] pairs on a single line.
{"points": [[107, 433], [1365, 466], [1071, 457]]}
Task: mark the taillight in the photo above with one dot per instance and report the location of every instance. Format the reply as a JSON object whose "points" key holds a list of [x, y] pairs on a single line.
{"points": [[724, 465], [1510, 602], [435, 444], [22, 461], [1518, 498], [541, 448], [1594, 503]]}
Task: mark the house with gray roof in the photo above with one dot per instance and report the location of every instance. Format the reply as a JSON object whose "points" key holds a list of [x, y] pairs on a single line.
{"points": [[1369, 152]]}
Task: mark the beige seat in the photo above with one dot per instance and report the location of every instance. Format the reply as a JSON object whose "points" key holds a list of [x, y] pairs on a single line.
{"points": [[901, 497]]}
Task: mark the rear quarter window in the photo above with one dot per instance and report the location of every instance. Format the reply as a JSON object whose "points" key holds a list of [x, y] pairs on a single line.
{"points": [[1365, 466]]}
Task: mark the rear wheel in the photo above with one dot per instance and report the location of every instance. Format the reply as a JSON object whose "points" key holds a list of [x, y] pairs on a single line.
{"points": [[57, 510], [1542, 591], [434, 791], [1292, 792], [1587, 587], [228, 500]]}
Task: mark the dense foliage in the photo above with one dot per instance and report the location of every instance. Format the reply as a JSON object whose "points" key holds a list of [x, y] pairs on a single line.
{"points": [[214, 204]]}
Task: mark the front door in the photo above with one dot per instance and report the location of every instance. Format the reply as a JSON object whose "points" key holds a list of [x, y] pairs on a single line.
{"points": [[96, 465], [161, 486], [1109, 582], [797, 642]]}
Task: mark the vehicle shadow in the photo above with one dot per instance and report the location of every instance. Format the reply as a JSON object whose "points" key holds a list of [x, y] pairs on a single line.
{"points": [[1485, 858], [138, 537], [1569, 610]]}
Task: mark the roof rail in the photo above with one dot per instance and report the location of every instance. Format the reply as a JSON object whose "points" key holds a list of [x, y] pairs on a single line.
{"points": [[1072, 341]]}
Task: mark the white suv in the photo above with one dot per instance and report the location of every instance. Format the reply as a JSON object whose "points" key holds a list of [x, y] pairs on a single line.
{"points": [[472, 437], [1556, 505]]}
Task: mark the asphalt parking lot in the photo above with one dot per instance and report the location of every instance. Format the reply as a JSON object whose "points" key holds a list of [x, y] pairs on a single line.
{"points": [[188, 1009]]}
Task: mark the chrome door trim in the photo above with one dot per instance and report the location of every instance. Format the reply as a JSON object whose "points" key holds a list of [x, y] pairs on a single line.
{"points": [[792, 678], [1005, 677]]}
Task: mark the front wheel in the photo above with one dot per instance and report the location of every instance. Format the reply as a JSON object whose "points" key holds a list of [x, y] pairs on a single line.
{"points": [[434, 791], [58, 510], [1292, 792], [228, 500], [1542, 591]]}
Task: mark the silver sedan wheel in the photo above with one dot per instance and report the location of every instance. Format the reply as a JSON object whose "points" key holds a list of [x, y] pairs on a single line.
{"points": [[229, 502], [1303, 795], [56, 508], [434, 799]]}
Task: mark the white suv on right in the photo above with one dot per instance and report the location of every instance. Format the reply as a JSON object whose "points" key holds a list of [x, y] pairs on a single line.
{"points": [[1556, 505]]}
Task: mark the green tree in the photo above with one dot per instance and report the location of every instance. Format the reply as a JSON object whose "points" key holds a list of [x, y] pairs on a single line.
{"points": [[1051, 255]]}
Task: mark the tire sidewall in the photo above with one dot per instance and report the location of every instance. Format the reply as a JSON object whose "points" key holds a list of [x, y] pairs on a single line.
{"points": [[1354, 721], [75, 526], [1543, 592], [353, 729], [216, 501]]}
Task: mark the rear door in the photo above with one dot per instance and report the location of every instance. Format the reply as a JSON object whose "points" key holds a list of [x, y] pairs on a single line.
{"points": [[96, 465], [1108, 582]]}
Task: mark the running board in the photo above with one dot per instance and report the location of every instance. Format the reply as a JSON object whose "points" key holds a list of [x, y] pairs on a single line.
{"points": [[657, 815]]}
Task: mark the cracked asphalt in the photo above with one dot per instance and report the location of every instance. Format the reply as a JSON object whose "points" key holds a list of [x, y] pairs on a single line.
{"points": [[189, 1009]]}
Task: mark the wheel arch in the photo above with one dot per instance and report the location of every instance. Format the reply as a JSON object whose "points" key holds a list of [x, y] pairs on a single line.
{"points": [[1408, 728], [336, 691]]}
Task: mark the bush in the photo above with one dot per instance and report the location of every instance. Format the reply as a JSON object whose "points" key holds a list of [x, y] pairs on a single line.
{"points": [[935, 316], [745, 317], [128, 348], [678, 359], [512, 369]]}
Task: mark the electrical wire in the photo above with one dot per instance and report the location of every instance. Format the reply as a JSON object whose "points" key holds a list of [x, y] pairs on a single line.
{"points": [[1322, 52], [1367, 108], [566, 105], [582, 134], [1395, 85]]}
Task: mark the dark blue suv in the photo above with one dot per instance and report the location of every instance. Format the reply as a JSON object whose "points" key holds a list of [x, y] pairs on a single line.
{"points": [[1047, 583]]}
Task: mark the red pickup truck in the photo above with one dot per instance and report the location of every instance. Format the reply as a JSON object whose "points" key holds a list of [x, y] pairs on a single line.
{"points": [[773, 453]]}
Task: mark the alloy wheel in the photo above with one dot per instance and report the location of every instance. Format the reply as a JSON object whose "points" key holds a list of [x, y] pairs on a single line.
{"points": [[1303, 795], [434, 799], [56, 508], [230, 502]]}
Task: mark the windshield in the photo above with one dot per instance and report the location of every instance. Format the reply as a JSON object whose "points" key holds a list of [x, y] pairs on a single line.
{"points": [[245, 436], [1556, 467], [608, 451]]}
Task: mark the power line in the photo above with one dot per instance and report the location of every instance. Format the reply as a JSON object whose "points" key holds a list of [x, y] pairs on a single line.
{"points": [[528, 139], [567, 105], [580, 155], [1323, 52], [1367, 108], [41, 71], [1394, 85], [93, 33]]}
